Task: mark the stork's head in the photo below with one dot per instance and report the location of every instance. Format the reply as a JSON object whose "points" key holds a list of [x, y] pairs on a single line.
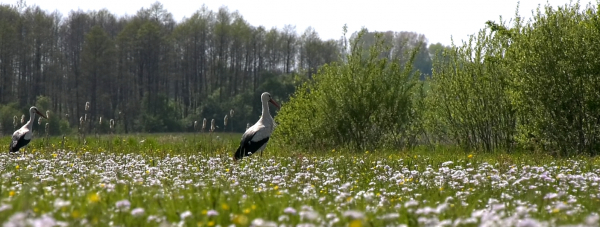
{"points": [[34, 110], [266, 97]]}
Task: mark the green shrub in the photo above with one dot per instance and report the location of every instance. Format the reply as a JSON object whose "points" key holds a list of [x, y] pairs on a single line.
{"points": [[363, 102], [555, 64], [469, 102], [7, 112]]}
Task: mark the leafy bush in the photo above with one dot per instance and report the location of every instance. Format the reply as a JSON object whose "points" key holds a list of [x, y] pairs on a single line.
{"points": [[534, 84], [469, 99], [555, 65], [7, 112], [364, 102]]}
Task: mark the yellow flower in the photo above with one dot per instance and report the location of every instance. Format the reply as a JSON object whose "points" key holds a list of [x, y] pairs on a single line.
{"points": [[253, 207], [93, 198], [204, 212], [11, 193], [356, 223], [555, 210], [17, 167], [240, 220], [470, 156], [227, 170], [54, 155], [247, 211], [211, 223], [224, 206], [75, 214], [276, 187]]}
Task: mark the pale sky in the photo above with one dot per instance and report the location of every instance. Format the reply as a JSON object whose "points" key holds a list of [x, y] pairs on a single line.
{"points": [[438, 20]]}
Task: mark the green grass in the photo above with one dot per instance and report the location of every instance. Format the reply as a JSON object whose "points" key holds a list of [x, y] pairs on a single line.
{"points": [[171, 176]]}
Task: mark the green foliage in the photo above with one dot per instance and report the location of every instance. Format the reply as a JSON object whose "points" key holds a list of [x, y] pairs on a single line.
{"points": [[554, 60], [7, 113], [364, 102], [57, 125], [533, 84], [159, 116], [469, 99]]}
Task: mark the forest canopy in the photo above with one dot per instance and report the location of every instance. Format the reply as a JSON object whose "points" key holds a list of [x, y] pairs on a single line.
{"points": [[152, 74]]}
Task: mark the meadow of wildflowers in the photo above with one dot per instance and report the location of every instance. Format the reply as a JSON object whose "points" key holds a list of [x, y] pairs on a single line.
{"points": [[181, 180]]}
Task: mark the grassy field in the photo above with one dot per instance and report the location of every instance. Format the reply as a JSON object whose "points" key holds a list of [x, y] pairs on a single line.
{"points": [[192, 180]]}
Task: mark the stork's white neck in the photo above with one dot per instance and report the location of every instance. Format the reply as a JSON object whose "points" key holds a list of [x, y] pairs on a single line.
{"points": [[265, 111], [29, 123]]}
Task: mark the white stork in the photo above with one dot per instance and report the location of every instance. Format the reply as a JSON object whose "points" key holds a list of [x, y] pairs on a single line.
{"points": [[256, 137], [22, 136]]}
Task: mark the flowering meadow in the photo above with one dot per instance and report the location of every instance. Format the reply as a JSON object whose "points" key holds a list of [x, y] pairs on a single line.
{"points": [[180, 180]]}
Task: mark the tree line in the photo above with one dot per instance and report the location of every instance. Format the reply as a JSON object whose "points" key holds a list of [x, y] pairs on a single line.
{"points": [[152, 74]]}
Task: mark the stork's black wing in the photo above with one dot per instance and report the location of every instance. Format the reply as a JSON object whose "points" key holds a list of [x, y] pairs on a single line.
{"points": [[17, 142], [248, 146]]}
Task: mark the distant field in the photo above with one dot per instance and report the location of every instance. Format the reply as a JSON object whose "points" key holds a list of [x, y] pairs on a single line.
{"points": [[188, 180]]}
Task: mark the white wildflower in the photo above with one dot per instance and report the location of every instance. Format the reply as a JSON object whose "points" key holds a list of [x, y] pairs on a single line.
{"points": [[137, 212], [185, 215], [308, 215], [212, 213], [289, 210], [123, 204], [353, 214], [60, 203]]}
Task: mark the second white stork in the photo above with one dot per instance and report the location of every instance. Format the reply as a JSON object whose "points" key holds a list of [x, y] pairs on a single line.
{"points": [[22, 136], [256, 137]]}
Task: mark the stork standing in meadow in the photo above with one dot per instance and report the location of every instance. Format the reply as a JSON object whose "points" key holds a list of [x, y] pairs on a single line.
{"points": [[22, 136], [256, 137]]}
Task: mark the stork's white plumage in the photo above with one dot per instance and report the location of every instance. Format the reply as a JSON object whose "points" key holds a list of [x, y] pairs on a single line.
{"points": [[256, 137], [22, 136]]}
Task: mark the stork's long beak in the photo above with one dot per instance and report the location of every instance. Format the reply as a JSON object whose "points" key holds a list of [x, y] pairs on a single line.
{"points": [[41, 114], [274, 103]]}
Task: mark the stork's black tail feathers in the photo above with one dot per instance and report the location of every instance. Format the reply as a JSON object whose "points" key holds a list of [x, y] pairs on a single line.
{"points": [[239, 153], [249, 148], [12, 149]]}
